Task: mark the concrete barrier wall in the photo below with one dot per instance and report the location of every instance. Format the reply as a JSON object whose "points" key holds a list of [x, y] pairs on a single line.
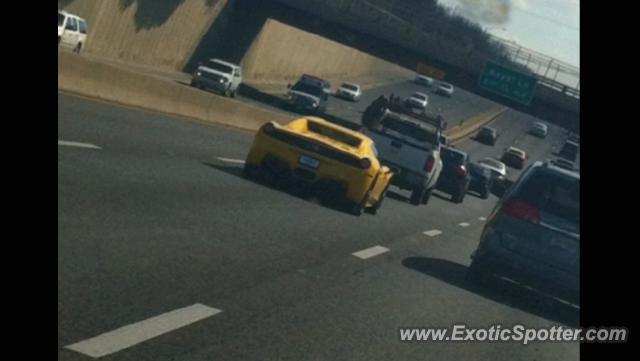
{"points": [[79, 75], [282, 53], [162, 33]]}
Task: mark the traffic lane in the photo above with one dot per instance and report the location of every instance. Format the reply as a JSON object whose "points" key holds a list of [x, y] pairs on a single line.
{"points": [[350, 309], [134, 131], [107, 202], [513, 129], [460, 106], [140, 226]]}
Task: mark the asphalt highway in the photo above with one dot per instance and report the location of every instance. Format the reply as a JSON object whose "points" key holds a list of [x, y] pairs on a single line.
{"points": [[153, 217]]}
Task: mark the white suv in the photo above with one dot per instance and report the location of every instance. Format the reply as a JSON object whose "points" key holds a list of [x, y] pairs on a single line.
{"points": [[72, 31], [219, 75]]}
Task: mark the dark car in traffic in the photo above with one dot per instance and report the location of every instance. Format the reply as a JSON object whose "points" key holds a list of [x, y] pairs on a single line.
{"points": [[455, 177], [308, 96], [514, 157], [532, 237], [487, 135], [481, 180]]}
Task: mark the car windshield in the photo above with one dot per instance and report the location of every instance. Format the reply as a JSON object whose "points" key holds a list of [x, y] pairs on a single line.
{"points": [[350, 87], [419, 96], [219, 67], [307, 88], [478, 170], [451, 156], [415, 133], [492, 163], [60, 19]]}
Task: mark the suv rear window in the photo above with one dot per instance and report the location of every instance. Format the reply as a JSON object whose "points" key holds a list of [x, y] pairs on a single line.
{"points": [[60, 19], [350, 87], [307, 88], [83, 27], [451, 156], [553, 194]]}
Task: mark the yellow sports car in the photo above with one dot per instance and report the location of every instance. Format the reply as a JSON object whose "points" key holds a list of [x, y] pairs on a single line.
{"points": [[337, 161]]}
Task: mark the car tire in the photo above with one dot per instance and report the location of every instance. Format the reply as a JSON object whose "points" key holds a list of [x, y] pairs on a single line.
{"points": [[485, 193], [416, 195], [227, 93], [426, 196], [233, 94], [355, 209], [374, 209], [78, 48]]}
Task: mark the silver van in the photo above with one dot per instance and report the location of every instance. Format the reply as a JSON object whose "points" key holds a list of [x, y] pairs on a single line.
{"points": [[221, 76], [72, 31]]}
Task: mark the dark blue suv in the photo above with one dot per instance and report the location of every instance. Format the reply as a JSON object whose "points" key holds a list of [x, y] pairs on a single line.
{"points": [[533, 234]]}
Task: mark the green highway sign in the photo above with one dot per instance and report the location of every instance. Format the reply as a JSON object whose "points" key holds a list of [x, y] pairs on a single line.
{"points": [[508, 83]]}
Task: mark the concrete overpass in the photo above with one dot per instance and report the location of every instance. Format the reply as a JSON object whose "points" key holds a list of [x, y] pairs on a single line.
{"points": [[458, 57]]}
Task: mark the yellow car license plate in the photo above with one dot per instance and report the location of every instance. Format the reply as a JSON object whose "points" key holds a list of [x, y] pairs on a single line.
{"points": [[309, 162]]}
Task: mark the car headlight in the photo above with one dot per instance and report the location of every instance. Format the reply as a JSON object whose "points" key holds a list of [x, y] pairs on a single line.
{"points": [[315, 104], [222, 80], [198, 73]]}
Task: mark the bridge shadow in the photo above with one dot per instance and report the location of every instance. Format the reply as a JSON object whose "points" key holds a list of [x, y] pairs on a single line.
{"points": [[262, 97], [497, 290]]}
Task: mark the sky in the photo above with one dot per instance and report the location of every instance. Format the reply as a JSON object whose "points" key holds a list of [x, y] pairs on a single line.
{"points": [[551, 27]]}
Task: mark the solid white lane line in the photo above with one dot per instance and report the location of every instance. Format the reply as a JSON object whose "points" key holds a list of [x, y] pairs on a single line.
{"points": [[130, 335], [433, 232], [482, 218], [464, 224], [371, 252], [77, 144], [231, 160]]}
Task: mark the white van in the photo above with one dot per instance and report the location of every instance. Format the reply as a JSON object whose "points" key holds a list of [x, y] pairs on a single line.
{"points": [[72, 31], [219, 75]]}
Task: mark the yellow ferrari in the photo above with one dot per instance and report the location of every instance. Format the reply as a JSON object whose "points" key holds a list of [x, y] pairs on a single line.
{"points": [[336, 161]]}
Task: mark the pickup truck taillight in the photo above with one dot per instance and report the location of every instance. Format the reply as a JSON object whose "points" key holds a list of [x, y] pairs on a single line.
{"points": [[429, 166], [462, 171]]}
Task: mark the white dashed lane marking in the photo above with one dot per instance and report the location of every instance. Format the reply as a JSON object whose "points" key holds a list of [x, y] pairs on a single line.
{"points": [[66, 143], [130, 335], [231, 160], [371, 252], [464, 224], [433, 232]]}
